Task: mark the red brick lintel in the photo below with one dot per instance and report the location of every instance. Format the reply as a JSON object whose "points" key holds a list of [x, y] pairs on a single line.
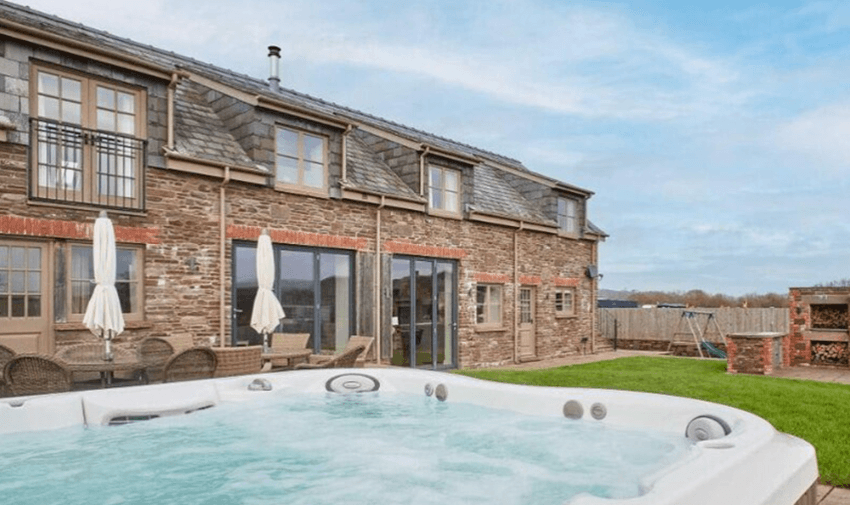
{"points": [[533, 280], [568, 282], [396, 247], [297, 237], [492, 278], [35, 227]]}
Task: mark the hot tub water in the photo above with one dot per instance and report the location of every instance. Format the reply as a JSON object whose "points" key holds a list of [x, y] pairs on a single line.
{"points": [[367, 448]]}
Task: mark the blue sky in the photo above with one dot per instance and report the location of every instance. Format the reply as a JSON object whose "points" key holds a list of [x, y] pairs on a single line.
{"points": [[714, 134]]}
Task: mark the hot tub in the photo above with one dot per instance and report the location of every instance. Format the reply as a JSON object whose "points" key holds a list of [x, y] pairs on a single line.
{"points": [[714, 454]]}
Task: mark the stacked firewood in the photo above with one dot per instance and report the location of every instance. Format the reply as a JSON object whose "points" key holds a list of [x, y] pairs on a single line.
{"points": [[829, 316], [829, 353]]}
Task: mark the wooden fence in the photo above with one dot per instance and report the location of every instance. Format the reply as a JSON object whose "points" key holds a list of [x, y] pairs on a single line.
{"points": [[661, 324]]}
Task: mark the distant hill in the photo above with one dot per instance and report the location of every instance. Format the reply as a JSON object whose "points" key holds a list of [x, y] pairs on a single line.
{"points": [[612, 294]]}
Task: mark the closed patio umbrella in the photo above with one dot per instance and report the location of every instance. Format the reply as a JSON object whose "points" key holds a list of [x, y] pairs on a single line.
{"points": [[267, 312], [103, 314]]}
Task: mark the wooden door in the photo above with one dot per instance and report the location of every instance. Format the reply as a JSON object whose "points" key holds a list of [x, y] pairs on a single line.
{"points": [[527, 330], [24, 297]]}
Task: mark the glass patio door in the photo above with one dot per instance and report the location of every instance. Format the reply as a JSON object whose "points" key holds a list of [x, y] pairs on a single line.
{"points": [[315, 288], [424, 306]]}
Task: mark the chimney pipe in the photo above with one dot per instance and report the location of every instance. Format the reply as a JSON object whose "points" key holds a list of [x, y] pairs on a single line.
{"points": [[274, 68]]}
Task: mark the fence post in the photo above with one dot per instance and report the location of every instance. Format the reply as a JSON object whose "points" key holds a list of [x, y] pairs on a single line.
{"points": [[616, 328]]}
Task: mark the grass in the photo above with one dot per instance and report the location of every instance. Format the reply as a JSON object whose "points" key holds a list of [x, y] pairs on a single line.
{"points": [[818, 412]]}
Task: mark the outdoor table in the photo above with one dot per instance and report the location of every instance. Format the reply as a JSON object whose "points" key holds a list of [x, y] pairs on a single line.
{"points": [[289, 356], [123, 361]]}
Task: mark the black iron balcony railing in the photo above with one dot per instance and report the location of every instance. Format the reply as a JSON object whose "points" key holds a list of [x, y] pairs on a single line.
{"points": [[75, 165]]}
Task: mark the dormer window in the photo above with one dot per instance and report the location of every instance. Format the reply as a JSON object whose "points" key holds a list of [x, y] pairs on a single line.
{"points": [[301, 159], [568, 215], [444, 190]]}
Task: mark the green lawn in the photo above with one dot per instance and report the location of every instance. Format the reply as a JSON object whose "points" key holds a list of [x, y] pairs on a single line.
{"points": [[815, 411]]}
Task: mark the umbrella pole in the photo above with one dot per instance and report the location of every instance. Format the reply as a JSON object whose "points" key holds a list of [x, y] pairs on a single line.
{"points": [[265, 342], [107, 339]]}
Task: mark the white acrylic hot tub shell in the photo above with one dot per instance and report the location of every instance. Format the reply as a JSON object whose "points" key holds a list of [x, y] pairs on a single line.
{"points": [[753, 465]]}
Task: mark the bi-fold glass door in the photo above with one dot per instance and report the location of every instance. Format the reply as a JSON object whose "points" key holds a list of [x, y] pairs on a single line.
{"points": [[424, 312], [315, 288]]}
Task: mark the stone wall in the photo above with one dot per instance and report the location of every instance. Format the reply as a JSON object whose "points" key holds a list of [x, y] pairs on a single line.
{"points": [[180, 234]]}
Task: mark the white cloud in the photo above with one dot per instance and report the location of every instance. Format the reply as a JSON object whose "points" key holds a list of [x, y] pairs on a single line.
{"points": [[821, 135]]}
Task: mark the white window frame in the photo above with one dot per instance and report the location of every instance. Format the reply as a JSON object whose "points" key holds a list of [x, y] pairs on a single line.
{"points": [[445, 195], [300, 161], [561, 295], [492, 307]]}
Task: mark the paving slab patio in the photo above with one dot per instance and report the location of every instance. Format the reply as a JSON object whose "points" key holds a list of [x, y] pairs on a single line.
{"points": [[828, 495]]}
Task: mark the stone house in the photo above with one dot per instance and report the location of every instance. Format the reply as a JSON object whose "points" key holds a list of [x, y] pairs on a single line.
{"points": [[451, 256]]}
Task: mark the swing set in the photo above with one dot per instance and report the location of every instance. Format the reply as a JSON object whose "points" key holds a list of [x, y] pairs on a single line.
{"points": [[691, 326]]}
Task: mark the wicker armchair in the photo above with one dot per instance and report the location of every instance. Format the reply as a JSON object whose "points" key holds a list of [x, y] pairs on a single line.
{"points": [[33, 374], [283, 342], [153, 353], [6, 354], [238, 360], [353, 341], [191, 364], [344, 360]]}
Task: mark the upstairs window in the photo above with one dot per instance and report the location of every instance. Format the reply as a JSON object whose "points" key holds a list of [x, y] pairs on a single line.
{"points": [[444, 190], [301, 159], [568, 215], [86, 141]]}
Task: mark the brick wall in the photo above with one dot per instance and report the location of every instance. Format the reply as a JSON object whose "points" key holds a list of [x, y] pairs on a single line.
{"points": [[752, 353], [798, 349]]}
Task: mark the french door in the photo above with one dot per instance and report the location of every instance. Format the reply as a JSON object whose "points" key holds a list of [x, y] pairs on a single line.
{"points": [[424, 312], [24, 300], [315, 288]]}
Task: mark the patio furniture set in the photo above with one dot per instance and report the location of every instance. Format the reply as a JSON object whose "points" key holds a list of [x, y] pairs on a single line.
{"points": [[165, 359]]}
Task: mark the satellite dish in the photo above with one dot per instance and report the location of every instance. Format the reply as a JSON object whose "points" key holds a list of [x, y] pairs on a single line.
{"points": [[592, 271]]}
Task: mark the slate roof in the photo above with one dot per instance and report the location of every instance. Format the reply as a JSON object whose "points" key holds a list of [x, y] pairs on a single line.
{"points": [[367, 171], [169, 60], [200, 132], [494, 195]]}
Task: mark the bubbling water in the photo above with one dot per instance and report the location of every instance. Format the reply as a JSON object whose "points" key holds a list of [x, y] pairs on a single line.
{"points": [[368, 448]]}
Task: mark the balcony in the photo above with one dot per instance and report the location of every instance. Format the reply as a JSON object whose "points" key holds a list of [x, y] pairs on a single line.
{"points": [[79, 166]]}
